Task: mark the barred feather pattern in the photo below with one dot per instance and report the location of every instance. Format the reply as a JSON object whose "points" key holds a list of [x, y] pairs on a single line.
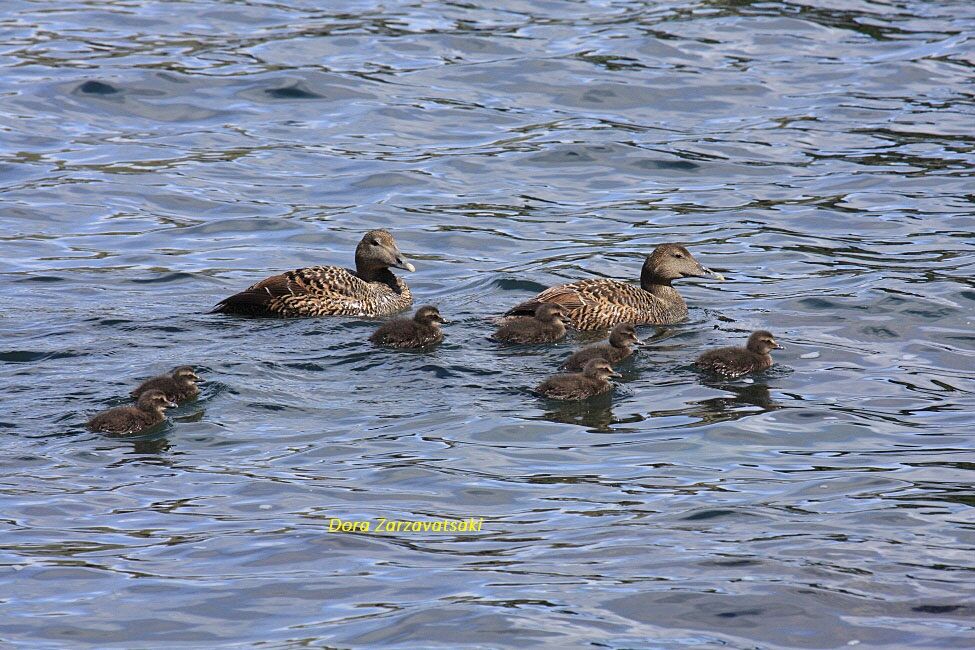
{"points": [[320, 291], [599, 304]]}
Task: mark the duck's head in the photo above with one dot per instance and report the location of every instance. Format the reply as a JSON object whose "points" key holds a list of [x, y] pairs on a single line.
{"points": [[428, 315], [185, 375], [623, 335], [669, 262], [378, 250], [762, 342], [154, 400], [549, 312], [599, 369]]}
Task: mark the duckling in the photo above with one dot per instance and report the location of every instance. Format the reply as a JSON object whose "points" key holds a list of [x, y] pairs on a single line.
{"points": [[544, 327], [618, 348], [419, 332], [124, 420], [370, 290], [593, 380], [734, 362], [601, 303], [179, 385]]}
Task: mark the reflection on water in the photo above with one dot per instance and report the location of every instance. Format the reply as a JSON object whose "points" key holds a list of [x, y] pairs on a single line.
{"points": [[817, 154], [744, 400]]}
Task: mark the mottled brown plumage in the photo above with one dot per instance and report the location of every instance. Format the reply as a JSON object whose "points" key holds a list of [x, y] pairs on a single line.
{"points": [[421, 331], [370, 290], [125, 420], [618, 348], [545, 326], [593, 380], [734, 362], [178, 385], [600, 303]]}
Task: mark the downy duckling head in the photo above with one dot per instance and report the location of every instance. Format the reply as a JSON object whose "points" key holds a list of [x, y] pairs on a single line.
{"points": [[599, 369], [549, 312], [428, 315], [154, 401], [186, 375], [623, 335], [762, 342]]}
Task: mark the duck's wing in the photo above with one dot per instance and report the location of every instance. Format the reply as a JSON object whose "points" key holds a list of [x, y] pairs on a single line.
{"points": [[586, 293], [272, 296]]}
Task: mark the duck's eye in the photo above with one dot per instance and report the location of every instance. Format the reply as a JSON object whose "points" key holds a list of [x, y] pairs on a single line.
{"points": [[375, 242], [679, 255]]}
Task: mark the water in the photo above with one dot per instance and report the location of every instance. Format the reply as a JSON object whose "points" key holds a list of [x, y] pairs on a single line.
{"points": [[157, 157]]}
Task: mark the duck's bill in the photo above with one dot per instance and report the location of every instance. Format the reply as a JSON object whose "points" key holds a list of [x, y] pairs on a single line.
{"points": [[705, 272], [403, 264], [170, 405], [615, 374]]}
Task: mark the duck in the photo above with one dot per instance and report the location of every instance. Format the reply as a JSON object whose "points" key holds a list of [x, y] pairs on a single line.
{"points": [[371, 290], [421, 331], [621, 338], [734, 362], [593, 380], [545, 326], [601, 303], [125, 420], [179, 385]]}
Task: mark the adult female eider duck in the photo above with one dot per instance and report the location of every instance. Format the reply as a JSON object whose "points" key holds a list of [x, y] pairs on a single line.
{"points": [[545, 326], [179, 385], [370, 290], [601, 303], [593, 380], [125, 420], [734, 362], [418, 332], [619, 347]]}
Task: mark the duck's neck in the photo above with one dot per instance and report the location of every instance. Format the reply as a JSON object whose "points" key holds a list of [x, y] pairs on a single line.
{"points": [[377, 274], [764, 359], [660, 288]]}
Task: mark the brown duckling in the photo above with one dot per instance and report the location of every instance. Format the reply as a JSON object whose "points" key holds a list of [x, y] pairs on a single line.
{"points": [[734, 362], [601, 303], [418, 332], [124, 420], [618, 348], [370, 290], [593, 380], [179, 385], [545, 326]]}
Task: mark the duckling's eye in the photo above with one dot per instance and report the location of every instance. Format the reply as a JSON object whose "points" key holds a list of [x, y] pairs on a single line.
{"points": [[679, 255], [375, 242]]}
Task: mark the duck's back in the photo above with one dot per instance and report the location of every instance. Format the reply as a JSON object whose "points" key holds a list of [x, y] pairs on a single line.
{"points": [[174, 390], [318, 291], [123, 420], [574, 386], [402, 333], [732, 362], [602, 303], [526, 329]]}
